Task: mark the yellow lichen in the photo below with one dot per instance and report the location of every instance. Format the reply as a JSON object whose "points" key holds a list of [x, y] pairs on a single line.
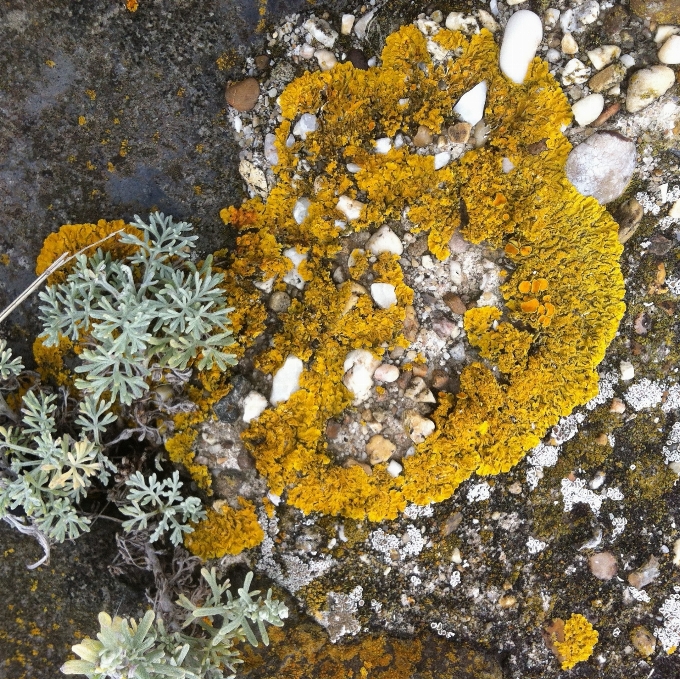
{"points": [[579, 639], [225, 531], [563, 301], [180, 451]]}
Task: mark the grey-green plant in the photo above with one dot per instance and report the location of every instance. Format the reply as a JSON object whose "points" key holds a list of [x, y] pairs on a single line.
{"points": [[153, 308], [160, 503], [46, 474], [145, 649], [9, 367]]}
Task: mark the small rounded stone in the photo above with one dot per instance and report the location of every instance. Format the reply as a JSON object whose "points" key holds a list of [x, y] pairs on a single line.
{"points": [[379, 449], [243, 95], [603, 565]]}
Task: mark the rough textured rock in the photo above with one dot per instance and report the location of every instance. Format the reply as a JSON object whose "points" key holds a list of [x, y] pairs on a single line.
{"points": [[661, 11], [647, 85], [602, 166]]}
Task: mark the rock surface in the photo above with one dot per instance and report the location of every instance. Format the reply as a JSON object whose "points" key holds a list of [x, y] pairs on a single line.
{"points": [[647, 85]]}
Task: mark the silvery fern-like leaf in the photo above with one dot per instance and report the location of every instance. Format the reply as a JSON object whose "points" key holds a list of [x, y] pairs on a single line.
{"points": [[9, 367]]}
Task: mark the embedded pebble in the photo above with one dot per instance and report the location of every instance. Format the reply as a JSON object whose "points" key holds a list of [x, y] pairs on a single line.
{"points": [[292, 276], [646, 574], [270, 153], [458, 21], [588, 13], [603, 565], [647, 85], [588, 109], [359, 367], [670, 51], [254, 404], [321, 31], [460, 133], [243, 95], [423, 137], [575, 72], [383, 295], [300, 209], [602, 166], [643, 640], [305, 125], [627, 60], [629, 216], [346, 24], [349, 207], [551, 17], [441, 160], [470, 107], [676, 553], [664, 32], [603, 56], [279, 301], [610, 111], [487, 21], [385, 240], [627, 370], [394, 468], [569, 44], [379, 449], [386, 373], [286, 380], [607, 78], [523, 33], [675, 210], [383, 145], [361, 25], [416, 426], [418, 391], [357, 58], [326, 59], [507, 165]]}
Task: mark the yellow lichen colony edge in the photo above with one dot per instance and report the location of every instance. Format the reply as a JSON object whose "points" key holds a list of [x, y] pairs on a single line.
{"points": [[562, 301]]}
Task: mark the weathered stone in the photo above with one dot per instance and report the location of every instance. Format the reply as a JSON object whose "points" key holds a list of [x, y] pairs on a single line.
{"points": [[647, 573], [607, 78], [440, 379], [416, 426], [279, 301], [411, 325], [610, 111], [643, 641], [628, 216], [243, 95], [603, 565], [459, 133], [379, 449], [386, 373], [423, 137], [615, 19], [455, 303], [647, 85], [660, 11], [262, 62]]}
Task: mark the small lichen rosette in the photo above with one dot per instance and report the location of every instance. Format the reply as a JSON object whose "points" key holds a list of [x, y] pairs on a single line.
{"points": [[562, 297]]}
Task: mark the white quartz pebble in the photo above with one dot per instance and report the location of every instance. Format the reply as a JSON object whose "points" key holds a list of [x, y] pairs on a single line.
{"points": [[647, 85], [457, 21], [394, 468], [383, 295], [575, 72], [300, 209], [305, 125], [675, 210], [441, 160], [349, 207], [346, 24], [254, 404], [383, 145], [270, 153], [385, 240], [522, 36], [361, 25], [321, 30], [353, 167], [359, 367], [627, 60], [670, 51], [551, 17], [470, 107], [286, 380], [627, 370], [603, 55], [588, 109], [326, 59], [664, 32], [386, 373], [293, 276], [507, 165]]}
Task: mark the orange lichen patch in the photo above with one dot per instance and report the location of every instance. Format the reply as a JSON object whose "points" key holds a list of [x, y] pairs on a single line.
{"points": [[579, 640], [546, 347], [50, 361], [180, 451], [131, 5], [225, 531], [74, 237]]}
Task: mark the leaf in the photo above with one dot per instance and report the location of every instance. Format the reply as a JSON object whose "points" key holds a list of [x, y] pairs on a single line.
{"points": [[78, 667]]}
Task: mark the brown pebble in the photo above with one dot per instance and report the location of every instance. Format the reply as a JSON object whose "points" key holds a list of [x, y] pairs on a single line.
{"points": [[643, 323], [552, 632], [262, 62], [607, 77], [357, 58], [617, 406], [243, 95], [379, 449], [659, 245], [610, 111], [418, 247], [404, 379], [419, 370], [452, 522], [507, 601], [537, 147], [615, 19], [440, 379], [602, 440], [411, 325], [643, 640], [628, 216], [603, 565], [423, 137], [455, 303], [332, 429], [460, 133], [647, 573], [351, 462]]}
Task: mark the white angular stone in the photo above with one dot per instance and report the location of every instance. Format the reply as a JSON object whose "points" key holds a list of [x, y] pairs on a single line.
{"points": [[550, 18], [321, 31], [270, 153], [383, 145], [293, 276], [286, 380], [569, 44], [470, 107], [359, 367], [386, 373], [507, 165], [346, 24], [487, 21], [588, 12], [647, 85], [300, 209], [416, 426], [523, 33], [602, 166], [353, 167], [253, 176], [305, 125], [575, 72], [664, 32], [349, 207], [603, 56], [394, 468], [361, 25], [307, 51], [670, 51], [588, 109], [383, 295], [553, 55], [441, 160], [627, 60], [326, 59], [385, 240], [515, 2], [254, 404], [675, 210], [458, 21], [627, 371]]}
